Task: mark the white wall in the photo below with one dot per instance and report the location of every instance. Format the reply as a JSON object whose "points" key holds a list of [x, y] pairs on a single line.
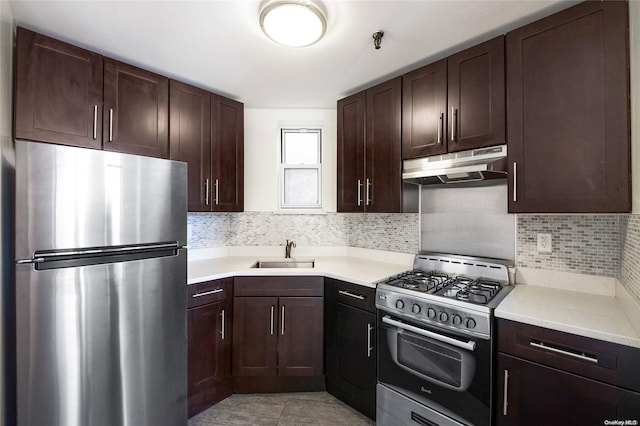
{"points": [[261, 144], [6, 156], [634, 48]]}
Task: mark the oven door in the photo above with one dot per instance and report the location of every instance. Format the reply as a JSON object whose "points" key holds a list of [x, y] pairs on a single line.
{"points": [[448, 373]]}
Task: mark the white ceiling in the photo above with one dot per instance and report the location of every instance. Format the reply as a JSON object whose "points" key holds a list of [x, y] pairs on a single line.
{"points": [[218, 44]]}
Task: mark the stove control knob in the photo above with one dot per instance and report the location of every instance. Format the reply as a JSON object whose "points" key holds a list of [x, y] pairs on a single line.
{"points": [[471, 323], [416, 308], [457, 319], [444, 316], [431, 313], [399, 304]]}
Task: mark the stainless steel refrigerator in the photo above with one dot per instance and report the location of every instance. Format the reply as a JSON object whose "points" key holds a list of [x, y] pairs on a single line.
{"points": [[100, 288]]}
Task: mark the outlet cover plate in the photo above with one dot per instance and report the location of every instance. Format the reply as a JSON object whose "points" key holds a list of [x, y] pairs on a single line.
{"points": [[544, 243]]}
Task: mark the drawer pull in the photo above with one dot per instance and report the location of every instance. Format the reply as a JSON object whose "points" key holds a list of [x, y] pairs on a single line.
{"points": [[206, 293], [581, 356], [355, 296]]}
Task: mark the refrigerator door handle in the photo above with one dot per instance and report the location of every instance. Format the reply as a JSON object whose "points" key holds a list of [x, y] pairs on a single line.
{"points": [[45, 256]]}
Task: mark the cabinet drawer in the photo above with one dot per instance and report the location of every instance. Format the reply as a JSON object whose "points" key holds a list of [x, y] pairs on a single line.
{"points": [[209, 291], [595, 359], [351, 294], [278, 286]]}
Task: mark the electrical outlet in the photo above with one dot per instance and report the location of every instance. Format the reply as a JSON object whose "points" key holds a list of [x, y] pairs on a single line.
{"points": [[544, 243]]}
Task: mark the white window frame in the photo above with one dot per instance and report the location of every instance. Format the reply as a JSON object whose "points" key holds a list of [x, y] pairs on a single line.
{"points": [[282, 166]]}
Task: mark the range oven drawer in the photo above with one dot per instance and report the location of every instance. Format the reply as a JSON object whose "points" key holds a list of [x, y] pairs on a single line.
{"points": [[395, 409]]}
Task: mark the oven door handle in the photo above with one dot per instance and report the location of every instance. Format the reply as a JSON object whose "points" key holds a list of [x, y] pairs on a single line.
{"points": [[469, 345]]}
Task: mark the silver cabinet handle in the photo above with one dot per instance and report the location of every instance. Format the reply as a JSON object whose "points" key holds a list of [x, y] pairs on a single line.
{"points": [[206, 293], [440, 126], [272, 311], [206, 191], [217, 187], [347, 293], [580, 356], [110, 124], [515, 181], [359, 192], [454, 119], [222, 328], [95, 121], [369, 347], [282, 321], [368, 191], [469, 345], [505, 398]]}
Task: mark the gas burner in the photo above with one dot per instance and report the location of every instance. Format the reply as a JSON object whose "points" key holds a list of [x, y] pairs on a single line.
{"points": [[418, 280], [478, 291]]}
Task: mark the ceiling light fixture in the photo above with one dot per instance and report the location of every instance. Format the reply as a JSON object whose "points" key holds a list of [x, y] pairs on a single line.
{"points": [[295, 23]]}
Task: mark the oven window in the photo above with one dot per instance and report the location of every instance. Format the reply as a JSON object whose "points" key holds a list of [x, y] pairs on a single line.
{"points": [[430, 359]]}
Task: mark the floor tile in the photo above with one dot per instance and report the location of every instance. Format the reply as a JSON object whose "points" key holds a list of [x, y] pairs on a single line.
{"points": [[284, 409]]}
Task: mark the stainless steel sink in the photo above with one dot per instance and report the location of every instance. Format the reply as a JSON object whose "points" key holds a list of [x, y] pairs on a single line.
{"points": [[285, 263]]}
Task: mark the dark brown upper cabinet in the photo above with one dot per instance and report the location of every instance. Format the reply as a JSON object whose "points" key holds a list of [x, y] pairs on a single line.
{"points": [[455, 104], [190, 140], [476, 97], [568, 112], [369, 146], [136, 110], [207, 132], [227, 150], [58, 92], [424, 111]]}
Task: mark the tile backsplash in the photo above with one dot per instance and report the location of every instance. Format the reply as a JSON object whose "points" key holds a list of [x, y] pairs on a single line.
{"points": [[630, 254], [603, 245], [585, 244], [389, 232]]}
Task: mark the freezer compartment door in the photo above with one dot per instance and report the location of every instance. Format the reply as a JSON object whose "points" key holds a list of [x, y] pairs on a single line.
{"points": [[69, 197], [102, 344]]}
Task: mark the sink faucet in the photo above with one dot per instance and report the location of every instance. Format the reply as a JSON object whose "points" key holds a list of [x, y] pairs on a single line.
{"points": [[287, 249]]}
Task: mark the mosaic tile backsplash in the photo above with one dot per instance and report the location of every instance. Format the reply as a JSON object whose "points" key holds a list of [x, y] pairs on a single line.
{"points": [[587, 244], [389, 232], [604, 245], [630, 254]]}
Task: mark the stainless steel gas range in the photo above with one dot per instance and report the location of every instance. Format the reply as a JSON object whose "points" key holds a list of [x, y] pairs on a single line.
{"points": [[436, 346]]}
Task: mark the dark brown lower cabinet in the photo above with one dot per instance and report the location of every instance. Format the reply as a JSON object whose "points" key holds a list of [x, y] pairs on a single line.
{"points": [[209, 343], [548, 377], [350, 345], [278, 339], [539, 395]]}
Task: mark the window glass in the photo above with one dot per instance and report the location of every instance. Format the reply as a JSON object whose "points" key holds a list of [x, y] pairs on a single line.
{"points": [[300, 169]]}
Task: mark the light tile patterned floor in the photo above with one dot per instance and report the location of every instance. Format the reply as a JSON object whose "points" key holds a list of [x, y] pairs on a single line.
{"points": [[281, 409]]}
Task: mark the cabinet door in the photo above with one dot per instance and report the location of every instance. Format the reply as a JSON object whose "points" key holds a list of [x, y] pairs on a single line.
{"points": [[538, 395], [58, 92], [209, 353], [476, 97], [227, 129], [383, 167], [255, 336], [424, 111], [190, 140], [136, 110], [300, 340], [351, 128], [351, 356], [568, 108]]}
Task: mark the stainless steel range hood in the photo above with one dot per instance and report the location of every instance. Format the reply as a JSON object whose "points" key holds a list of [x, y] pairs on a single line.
{"points": [[464, 166]]}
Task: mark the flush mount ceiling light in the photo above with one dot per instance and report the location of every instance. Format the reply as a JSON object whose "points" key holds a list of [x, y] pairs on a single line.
{"points": [[294, 23]]}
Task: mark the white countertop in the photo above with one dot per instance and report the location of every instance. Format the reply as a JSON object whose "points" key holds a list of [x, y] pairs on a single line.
{"points": [[608, 318], [602, 310], [359, 266]]}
